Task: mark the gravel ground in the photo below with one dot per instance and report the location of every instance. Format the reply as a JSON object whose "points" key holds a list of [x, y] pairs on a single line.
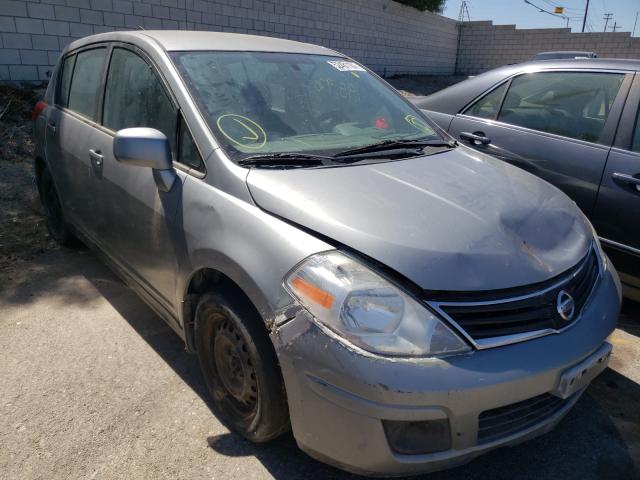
{"points": [[94, 385]]}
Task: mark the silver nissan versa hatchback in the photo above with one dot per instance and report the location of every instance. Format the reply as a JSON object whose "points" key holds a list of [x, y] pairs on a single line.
{"points": [[341, 267]]}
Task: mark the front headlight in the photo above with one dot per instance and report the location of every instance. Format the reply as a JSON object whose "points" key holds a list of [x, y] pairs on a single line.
{"points": [[369, 311]]}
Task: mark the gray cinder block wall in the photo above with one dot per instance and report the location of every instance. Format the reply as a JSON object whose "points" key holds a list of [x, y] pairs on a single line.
{"points": [[388, 37], [484, 46]]}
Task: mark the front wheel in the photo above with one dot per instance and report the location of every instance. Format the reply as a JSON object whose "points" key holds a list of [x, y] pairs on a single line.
{"points": [[240, 367]]}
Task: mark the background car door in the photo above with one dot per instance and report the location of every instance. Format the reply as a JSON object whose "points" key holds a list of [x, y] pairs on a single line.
{"points": [[617, 212], [137, 221], [69, 129], [557, 125]]}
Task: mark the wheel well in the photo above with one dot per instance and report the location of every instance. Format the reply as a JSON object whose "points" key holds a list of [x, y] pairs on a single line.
{"points": [[204, 281]]}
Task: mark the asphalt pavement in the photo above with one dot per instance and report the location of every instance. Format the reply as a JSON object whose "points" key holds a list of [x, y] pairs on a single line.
{"points": [[93, 385]]}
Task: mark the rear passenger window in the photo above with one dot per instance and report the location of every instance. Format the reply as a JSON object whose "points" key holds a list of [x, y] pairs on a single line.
{"points": [[85, 84], [571, 104], [135, 97], [65, 80], [488, 106]]}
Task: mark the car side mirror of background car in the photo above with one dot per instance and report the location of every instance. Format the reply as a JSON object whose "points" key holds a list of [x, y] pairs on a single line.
{"points": [[146, 147]]}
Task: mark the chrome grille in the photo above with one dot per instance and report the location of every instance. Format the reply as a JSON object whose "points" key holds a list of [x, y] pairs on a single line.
{"points": [[484, 315]]}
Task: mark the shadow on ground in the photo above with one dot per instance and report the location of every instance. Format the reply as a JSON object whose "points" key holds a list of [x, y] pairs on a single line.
{"points": [[586, 445], [629, 320]]}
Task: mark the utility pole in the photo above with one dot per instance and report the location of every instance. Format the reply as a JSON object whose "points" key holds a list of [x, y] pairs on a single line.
{"points": [[634, 25], [464, 12], [607, 17], [615, 27], [586, 12]]}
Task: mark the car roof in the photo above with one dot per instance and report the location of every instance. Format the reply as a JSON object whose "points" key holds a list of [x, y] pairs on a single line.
{"points": [[588, 63], [566, 52], [551, 52], [186, 40], [452, 99]]}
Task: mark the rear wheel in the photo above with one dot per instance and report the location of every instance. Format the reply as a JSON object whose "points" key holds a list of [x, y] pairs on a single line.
{"points": [[56, 225], [240, 367]]}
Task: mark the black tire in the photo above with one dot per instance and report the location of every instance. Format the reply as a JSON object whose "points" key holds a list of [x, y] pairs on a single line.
{"points": [[240, 367], [56, 224]]}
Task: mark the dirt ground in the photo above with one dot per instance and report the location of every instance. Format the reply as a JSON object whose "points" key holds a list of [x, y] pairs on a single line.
{"points": [[23, 234], [94, 385]]}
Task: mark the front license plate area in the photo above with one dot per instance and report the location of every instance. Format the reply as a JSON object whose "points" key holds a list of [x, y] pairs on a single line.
{"points": [[579, 376]]}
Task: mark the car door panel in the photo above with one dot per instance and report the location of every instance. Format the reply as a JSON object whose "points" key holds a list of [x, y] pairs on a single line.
{"points": [[558, 125], [74, 170], [573, 166], [443, 120], [137, 222], [618, 207], [69, 129]]}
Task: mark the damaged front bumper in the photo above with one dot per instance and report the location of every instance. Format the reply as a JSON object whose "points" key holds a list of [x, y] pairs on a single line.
{"points": [[392, 416]]}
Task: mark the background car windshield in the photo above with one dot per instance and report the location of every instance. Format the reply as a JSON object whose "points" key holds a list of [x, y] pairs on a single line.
{"points": [[262, 103]]}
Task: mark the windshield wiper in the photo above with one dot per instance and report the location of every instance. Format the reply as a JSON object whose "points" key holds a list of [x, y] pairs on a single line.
{"points": [[403, 147], [290, 160]]}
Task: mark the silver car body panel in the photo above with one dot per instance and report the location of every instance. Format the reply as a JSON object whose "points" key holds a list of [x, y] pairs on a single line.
{"points": [[439, 214], [456, 220]]}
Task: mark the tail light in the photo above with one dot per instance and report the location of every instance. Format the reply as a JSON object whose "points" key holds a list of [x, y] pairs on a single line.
{"points": [[37, 110]]}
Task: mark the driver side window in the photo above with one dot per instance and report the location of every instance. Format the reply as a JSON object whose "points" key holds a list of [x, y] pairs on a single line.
{"points": [[135, 97]]}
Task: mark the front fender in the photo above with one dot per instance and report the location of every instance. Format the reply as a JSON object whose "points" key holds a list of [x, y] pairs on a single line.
{"points": [[233, 236]]}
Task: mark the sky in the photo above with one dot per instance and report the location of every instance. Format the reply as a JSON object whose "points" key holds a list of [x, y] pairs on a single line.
{"points": [[526, 16]]}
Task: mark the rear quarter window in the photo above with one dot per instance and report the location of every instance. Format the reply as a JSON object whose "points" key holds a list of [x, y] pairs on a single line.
{"points": [[488, 106]]}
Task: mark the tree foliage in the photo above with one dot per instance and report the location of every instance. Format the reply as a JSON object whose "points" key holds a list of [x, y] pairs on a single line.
{"points": [[436, 6]]}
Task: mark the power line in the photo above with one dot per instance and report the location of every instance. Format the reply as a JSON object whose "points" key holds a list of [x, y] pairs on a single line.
{"points": [[542, 10], [556, 4]]}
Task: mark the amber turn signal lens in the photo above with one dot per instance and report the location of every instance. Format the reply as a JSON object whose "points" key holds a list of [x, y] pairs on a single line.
{"points": [[312, 293]]}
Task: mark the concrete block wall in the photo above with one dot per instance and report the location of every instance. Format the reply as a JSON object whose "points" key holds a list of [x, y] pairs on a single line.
{"points": [[484, 46], [388, 37]]}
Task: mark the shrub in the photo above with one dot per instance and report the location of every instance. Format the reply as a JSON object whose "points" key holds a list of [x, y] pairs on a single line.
{"points": [[436, 6]]}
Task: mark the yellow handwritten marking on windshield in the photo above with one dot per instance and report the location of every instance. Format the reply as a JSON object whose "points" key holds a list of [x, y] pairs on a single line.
{"points": [[419, 124], [249, 134]]}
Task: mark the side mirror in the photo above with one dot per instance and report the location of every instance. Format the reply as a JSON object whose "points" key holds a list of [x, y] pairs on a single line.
{"points": [[146, 147]]}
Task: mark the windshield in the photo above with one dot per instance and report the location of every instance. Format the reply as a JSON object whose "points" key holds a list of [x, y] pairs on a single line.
{"points": [[266, 103]]}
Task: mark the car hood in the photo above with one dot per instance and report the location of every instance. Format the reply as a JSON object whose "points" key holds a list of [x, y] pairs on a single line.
{"points": [[457, 220]]}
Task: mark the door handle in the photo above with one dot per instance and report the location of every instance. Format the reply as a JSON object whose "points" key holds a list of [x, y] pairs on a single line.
{"points": [[96, 157], [476, 138], [628, 179], [51, 126]]}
